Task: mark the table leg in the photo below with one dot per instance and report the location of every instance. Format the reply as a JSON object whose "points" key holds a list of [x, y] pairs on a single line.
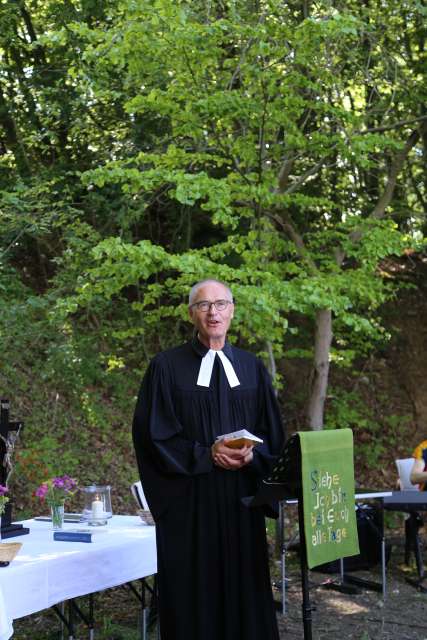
{"points": [[156, 601], [71, 620], [383, 565], [144, 611], [86, 619], [62, 608], [66, 622], [412, 526], [141, 597], [282, 555], [91, 617], [408, 539]]}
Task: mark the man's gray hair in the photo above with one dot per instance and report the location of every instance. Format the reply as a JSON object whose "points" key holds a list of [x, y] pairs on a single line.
{"points": [[194, 289]]}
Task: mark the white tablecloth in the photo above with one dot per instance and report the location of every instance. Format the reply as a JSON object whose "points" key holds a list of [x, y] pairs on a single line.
{"points": [[46, 572]]}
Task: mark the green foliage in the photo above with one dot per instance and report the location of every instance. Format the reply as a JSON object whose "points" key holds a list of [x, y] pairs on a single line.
{"points": [[146, 145], [348, 410], [374, 436]]}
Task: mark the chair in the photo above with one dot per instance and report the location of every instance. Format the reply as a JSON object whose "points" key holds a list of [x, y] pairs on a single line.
{"points": [[404, 467], [138, 494], [414, 521]]}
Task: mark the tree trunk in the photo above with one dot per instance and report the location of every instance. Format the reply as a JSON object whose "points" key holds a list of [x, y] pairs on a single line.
{"points": [[319, 382], [12, 141]]}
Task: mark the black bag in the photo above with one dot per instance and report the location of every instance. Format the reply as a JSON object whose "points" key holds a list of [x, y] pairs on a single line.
{"points": [[369, 529]]}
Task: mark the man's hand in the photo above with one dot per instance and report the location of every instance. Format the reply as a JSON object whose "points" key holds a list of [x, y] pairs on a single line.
{"points": [[229, 458]]}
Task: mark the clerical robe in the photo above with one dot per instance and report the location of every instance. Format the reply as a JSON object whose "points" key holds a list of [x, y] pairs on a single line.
{"points": [[213, 570]]}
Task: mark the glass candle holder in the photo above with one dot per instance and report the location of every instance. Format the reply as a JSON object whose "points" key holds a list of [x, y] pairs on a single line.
{"points": [[97, 505]]}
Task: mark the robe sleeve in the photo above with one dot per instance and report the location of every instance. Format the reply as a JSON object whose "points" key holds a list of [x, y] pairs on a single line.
{"points": [[167, 461], [269, 426]]}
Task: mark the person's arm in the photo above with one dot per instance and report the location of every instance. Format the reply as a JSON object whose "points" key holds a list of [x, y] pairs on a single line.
{"points": [[269, 426], [158, 432], [418, 475]]}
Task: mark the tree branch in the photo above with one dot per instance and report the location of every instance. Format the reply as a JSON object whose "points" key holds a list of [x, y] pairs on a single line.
{"points": [[390, 127], [289, 229], [308, 174], [284, 173], [395, 169]]}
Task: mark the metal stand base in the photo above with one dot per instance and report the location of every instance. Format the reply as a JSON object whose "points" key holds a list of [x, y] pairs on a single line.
{"points": [[361, 582], [342, 587]]}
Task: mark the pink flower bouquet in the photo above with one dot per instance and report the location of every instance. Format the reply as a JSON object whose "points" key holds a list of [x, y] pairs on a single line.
{"points": [[56, 490]]}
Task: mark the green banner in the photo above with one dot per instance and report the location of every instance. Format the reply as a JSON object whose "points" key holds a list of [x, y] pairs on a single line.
{"points": [[328, 495]]}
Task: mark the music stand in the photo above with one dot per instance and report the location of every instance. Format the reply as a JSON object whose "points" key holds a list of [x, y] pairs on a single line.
{"points": [[283, 483]]}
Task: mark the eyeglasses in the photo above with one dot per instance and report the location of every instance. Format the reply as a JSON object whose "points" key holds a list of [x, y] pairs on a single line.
{"points": [[205, 305]]}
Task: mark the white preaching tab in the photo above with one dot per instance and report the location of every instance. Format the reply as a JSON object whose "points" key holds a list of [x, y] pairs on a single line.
{"points": [[232, 378], [206, 366]]}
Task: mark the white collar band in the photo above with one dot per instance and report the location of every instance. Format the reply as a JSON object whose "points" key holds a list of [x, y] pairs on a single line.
{"points": [[206, 366]]}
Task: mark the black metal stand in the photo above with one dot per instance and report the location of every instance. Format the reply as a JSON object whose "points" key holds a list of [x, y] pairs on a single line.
{"points": [[306, 607], [284, 483]]}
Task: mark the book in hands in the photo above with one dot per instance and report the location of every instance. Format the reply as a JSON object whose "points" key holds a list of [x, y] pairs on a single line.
{"points": [[239, 439]]}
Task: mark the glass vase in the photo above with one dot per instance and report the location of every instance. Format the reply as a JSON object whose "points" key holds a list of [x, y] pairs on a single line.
{"points": [[57, 512]]}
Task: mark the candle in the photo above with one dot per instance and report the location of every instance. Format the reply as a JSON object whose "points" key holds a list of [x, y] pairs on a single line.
{"points": [[97, 509]]}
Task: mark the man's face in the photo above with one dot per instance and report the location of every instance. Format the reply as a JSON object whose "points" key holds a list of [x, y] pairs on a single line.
{"points": [[212, 325]]}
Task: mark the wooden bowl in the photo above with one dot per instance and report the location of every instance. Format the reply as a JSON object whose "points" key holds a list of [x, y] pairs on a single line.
{"points": [[146, 516], [8, 550]]}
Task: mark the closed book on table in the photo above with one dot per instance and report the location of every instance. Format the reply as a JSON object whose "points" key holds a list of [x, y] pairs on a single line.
{"points": [[73, 536]]}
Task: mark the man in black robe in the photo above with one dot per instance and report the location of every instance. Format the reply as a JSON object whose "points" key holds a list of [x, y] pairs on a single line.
{"points": [[213, 570]]}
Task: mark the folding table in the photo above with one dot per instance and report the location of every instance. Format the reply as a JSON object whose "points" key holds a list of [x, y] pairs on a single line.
{"points": [[47, 572]]}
